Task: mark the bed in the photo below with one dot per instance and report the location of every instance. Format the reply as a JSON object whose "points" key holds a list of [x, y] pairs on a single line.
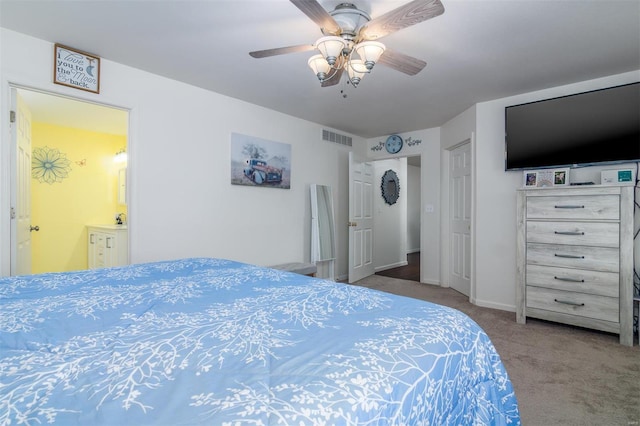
{"points": [[214, 341]]}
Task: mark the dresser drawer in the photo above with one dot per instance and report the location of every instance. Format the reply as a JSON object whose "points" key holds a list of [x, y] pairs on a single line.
{"points": [[574, 233], [583, 281], [579, 304], [601, 207], [605, 259]]}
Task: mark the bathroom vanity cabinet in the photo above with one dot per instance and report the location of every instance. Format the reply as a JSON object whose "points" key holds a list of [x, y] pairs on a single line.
{"points": [[107, 246]]}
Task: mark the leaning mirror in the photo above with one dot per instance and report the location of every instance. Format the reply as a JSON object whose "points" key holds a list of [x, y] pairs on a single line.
{"points": [[322, 225]]}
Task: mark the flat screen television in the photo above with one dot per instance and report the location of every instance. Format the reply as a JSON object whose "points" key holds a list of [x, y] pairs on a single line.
{"points": [[597, 127]]}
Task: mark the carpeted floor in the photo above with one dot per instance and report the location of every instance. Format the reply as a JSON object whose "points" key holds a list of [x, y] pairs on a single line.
{"points": [[562, 375]]}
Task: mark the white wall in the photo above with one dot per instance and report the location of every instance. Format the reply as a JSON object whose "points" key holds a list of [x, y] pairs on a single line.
{"points": [[389, 221], [181, 203]]}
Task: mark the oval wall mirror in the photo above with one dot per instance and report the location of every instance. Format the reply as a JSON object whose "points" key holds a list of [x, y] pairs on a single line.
{"points": [[390, 187]]}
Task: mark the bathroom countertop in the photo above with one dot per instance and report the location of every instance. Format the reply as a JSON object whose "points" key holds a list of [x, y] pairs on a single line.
{"points": [[112, 227]]}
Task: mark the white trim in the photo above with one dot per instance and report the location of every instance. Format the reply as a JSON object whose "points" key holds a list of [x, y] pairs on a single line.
{"points": [[390, 266], [493, 305]]}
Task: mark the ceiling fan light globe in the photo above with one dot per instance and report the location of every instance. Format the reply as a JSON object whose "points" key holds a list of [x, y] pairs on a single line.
{"points": [[369, 52], [356, 69], [319, 66], [331, 47]]}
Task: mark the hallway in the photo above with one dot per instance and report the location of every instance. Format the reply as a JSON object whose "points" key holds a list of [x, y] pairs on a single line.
{"points": [[409, 272]]}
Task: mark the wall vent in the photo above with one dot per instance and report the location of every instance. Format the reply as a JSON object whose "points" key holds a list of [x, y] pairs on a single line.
{"points": [[330, 136]]}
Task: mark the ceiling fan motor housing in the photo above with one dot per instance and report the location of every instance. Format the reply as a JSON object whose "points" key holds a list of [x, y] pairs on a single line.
{"points": [[350, 19]]}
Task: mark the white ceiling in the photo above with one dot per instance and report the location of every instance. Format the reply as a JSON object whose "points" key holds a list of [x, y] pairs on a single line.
{"points": [[476, 51]]}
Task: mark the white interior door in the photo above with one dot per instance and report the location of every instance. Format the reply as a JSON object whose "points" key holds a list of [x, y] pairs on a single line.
{"points": [[360, 218], [460, 198], [21, 196]]}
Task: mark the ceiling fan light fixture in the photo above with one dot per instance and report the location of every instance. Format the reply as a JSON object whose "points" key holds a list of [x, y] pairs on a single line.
{"points": [[348, 37], [356, 69], [331, 48], [369, 52], [320, 66]]}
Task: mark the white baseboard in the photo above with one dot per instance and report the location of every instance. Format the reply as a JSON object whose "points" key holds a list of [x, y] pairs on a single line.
{"points": [[393, 265], [493, 305], [342, 278]]}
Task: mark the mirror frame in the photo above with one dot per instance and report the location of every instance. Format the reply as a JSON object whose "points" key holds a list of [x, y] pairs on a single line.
{"points": [[323, 246], [390, 187]]}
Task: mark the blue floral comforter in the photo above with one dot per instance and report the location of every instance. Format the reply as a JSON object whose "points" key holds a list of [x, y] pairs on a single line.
{"points": [[212, 341]]}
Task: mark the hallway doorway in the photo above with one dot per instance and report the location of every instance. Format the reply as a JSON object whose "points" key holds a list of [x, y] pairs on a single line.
{"points": [[410, 272]]}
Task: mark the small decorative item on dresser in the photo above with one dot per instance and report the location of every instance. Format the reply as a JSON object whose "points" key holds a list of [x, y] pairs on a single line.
{"points": [[546, 178]]}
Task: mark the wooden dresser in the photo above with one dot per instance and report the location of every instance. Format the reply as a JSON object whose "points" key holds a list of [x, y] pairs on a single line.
{"points": [[575, 257]]}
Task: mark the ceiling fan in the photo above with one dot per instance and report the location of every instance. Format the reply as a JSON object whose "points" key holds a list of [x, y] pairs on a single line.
{"points": [[349, 42]]}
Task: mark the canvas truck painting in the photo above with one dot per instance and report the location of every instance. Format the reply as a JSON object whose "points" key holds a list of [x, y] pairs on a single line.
{"points": [[260, 162]]}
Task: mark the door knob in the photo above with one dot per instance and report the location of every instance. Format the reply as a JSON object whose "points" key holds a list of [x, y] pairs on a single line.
{"points": [[34, 228], [353, 223]]}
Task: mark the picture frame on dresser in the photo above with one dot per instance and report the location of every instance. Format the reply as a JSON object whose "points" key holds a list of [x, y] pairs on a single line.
{"points": [[546, 178]]}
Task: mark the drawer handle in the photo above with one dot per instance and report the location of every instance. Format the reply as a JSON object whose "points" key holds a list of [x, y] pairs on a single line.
{"points": [[568, 256], [569, 207], [571, 280], [567, 302], [568, 233]]}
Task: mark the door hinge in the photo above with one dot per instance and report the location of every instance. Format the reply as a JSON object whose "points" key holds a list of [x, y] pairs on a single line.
{"points": [[12, 116], [13, 213]]}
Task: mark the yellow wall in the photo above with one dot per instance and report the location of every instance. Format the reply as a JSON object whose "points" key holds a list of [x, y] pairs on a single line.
{"points": [[88, 195]]}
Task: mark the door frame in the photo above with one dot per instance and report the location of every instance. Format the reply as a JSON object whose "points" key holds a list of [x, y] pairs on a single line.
{"points": [[445, 230], [8, 181], [420, 183]]}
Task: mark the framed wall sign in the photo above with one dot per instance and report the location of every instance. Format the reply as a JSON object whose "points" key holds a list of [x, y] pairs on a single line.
{"points": [[75, 68]]}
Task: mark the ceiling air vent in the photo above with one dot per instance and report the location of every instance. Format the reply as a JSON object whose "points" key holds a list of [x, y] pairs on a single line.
{"points": [[330, 136]]}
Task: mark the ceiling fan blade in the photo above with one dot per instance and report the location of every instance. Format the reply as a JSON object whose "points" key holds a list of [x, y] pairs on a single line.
{"points": [[282, 50], [404, 16], [319, 15], [335, 79], [401, 62]]}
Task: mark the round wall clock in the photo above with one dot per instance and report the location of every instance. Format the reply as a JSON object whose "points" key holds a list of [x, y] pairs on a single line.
{"points": [[393, 144]]}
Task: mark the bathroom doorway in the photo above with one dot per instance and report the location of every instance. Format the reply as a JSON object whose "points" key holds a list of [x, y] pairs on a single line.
{"points": [[69, 178]]}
